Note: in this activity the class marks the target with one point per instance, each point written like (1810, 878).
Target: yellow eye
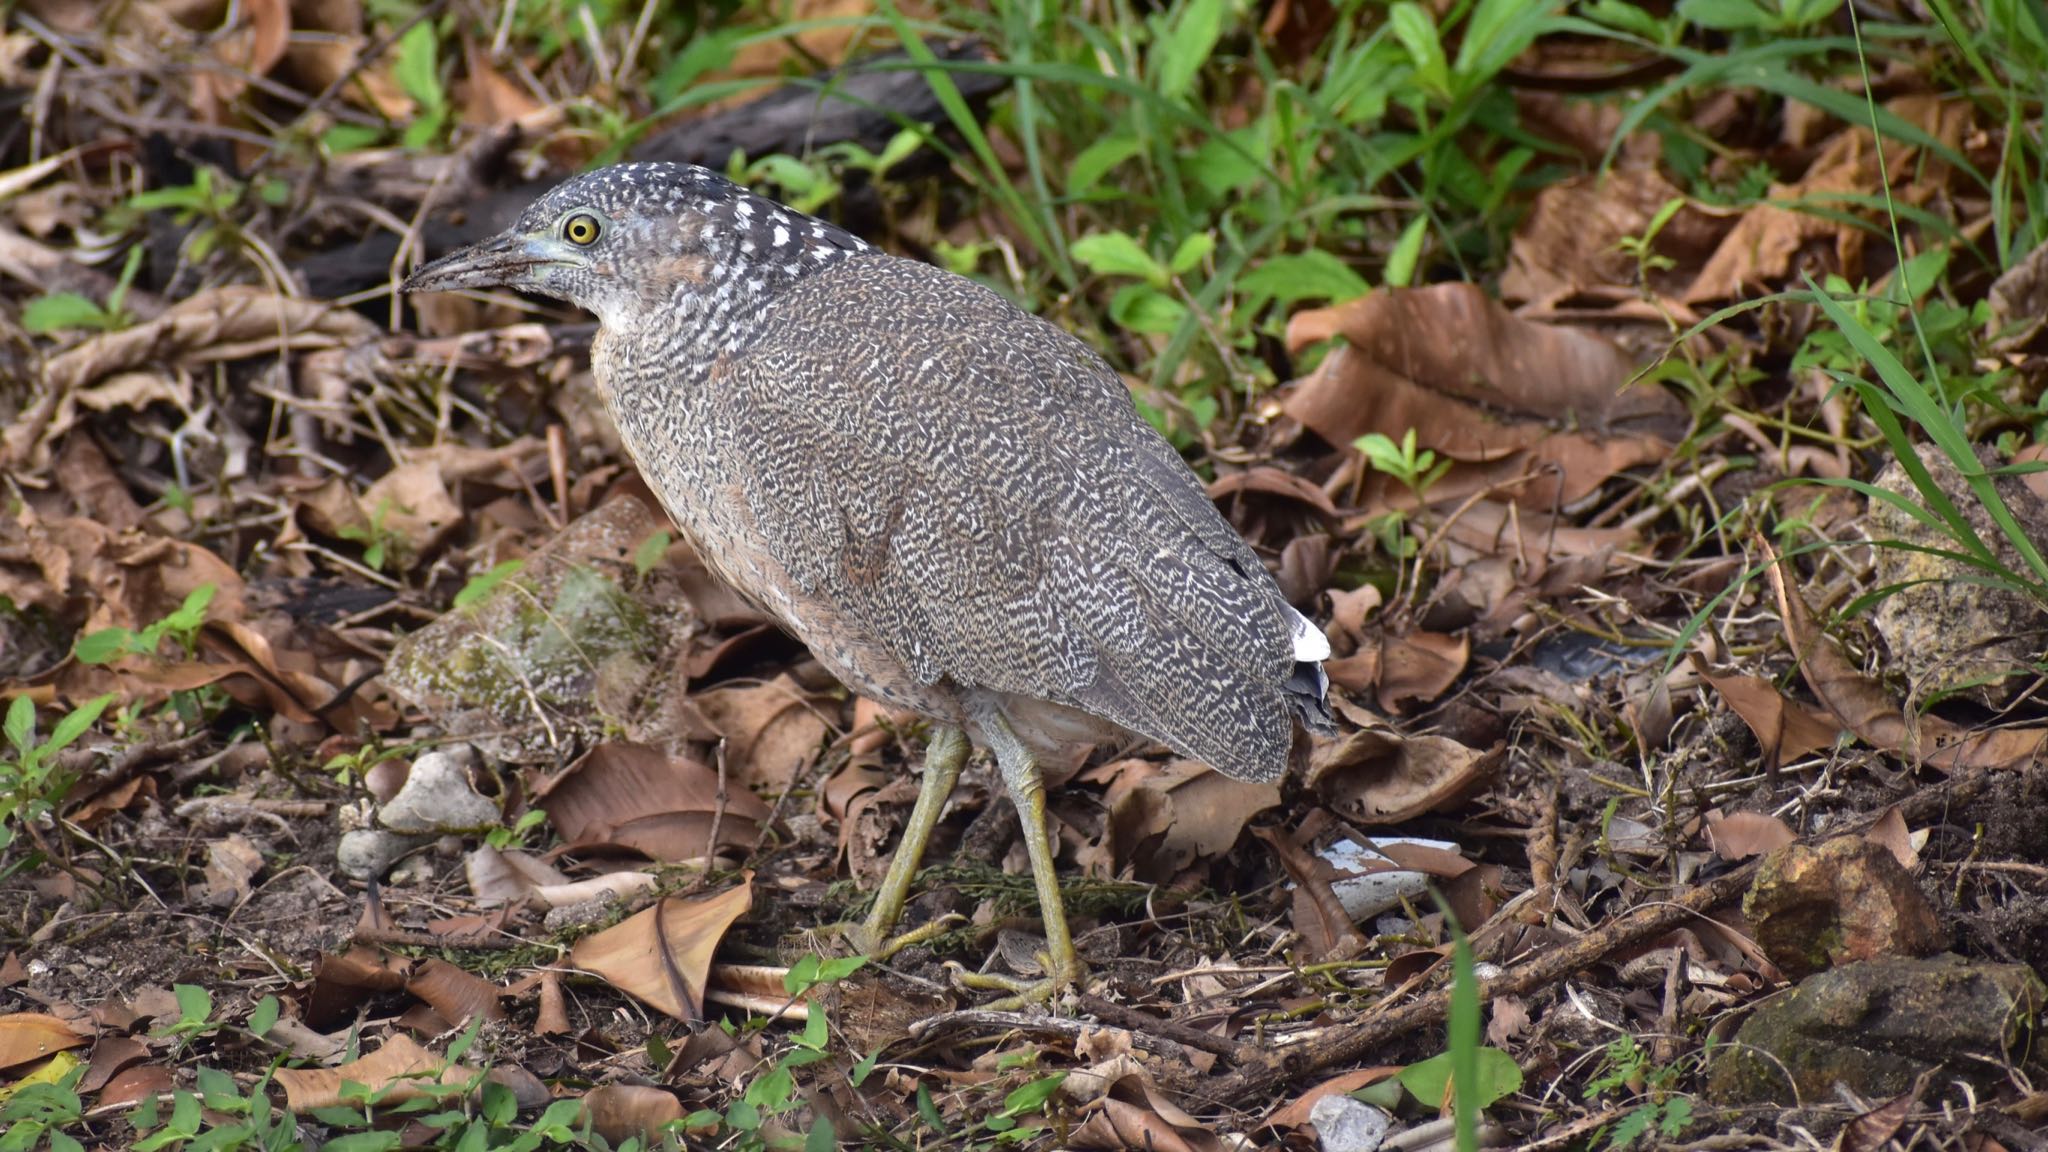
(581, 229)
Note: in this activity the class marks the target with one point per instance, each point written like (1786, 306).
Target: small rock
(437, 797)
(367, 853)
(573, 644)
(1347, 1125)
(1876, 1026)
(1847, 900)
(1946, 628)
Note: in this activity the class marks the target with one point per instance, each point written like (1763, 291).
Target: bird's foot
(1023, 991)
(868, 939)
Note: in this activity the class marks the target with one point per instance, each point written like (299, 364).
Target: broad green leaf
(1142, 308)
(103, 646)
(264, 1018)
(1417, 32)
(1031, 1097)
(60, 310)
(73, 726)
(417, 68)
(1191, 252)
(1178, 56)
(1311, 275)
(483, 584)
(21, 724)
(1429, 1080)
(1097, 160)
(1117, 254)
(195, 1004)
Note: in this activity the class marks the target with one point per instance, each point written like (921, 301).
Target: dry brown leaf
(1318, 916)
(772, 730)
(623, 1111)
(1131, 1115)
(1162, 819)
(1785, 729)
(457, 995)
(1866, 709)
(1570, 243)
(663, 955)
(1740, 835)
(231, 862)
(487, 97)
(395, 1070)
(220, 324)
(1890, 831)
(1376, 776)
(634, 797)
(552, 1018)
(26, 1037)
(1294, 1113)
(1457, 340)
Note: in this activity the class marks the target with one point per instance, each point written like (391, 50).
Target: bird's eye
(581, 229)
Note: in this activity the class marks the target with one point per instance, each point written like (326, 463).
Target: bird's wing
(976, 489)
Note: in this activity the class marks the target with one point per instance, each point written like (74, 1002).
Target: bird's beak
(503, 261)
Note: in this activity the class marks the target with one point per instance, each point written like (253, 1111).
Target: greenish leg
(1027, 790)
(943, 759)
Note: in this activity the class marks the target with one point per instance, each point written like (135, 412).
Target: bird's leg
(943, 759)
(1027, 790)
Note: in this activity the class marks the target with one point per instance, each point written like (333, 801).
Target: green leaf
(192, 613)
(1117, 254)
(1429, 1080)
(1031, 1097)
(650, 552)
(104, 646)
(1726, 15)
(1191, 252)
(482, 585)
(1311, 275)
(832, 971)
(821, 1137)
(1400, 271)
(417, 68)
(801, 975)
(73, 726)
(345, 138)
(21, 724)
(195, 1004)
(1144, 309)
(710, 52)
(1097, 160)
(1178, 56)
(60, 310)
(1417, 32)
(815, 1034)
(364, 1142)
(264, 1018)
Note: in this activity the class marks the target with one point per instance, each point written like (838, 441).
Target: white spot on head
(781, 235)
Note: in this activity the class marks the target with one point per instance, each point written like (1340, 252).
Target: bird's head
(630, 237)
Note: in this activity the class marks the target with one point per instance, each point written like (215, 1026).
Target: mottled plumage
(954, 503)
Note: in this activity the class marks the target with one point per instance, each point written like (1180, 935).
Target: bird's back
(970, 489)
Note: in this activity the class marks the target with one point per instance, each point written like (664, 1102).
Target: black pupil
(582, 229)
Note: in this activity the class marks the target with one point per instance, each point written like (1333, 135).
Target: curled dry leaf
(1132, 1115)
(1162, 819)
(664, 807)
(226, 323)
(1570, 243)
(663, 955)
(1295, 1112)
(1865, 708)
(395, 1070)
(1785, 729)
(771, 730)
(1319, 916)
(1377, 776)
(1483, 389)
